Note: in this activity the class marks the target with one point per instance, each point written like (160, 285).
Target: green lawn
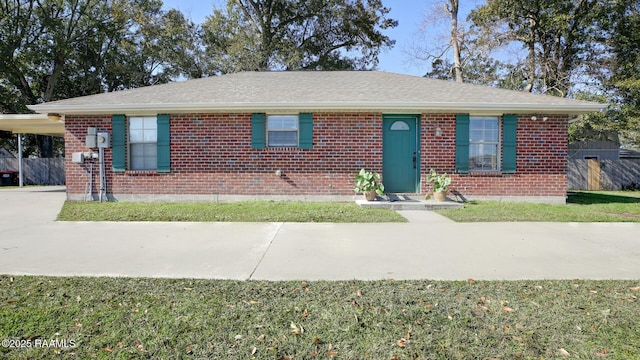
(582, 206)
(119, 318)
(249, 211)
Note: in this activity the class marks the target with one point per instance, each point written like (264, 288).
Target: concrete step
(405, 202)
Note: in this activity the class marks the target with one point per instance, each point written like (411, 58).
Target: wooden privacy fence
(38, 171)
(593, 174)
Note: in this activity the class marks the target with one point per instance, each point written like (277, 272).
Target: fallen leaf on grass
(296, 329)
(305, 313)
(252, 302)
(507, 309)
(402, 342)
(254, 350)
(107, 350)
(563, 352)
(602, 353)
(408, 334)
(637, 288)
(189, 349)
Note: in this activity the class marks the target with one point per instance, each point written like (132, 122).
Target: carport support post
(20, 177)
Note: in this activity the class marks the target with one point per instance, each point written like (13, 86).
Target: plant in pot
(440, 184)
(369, 184)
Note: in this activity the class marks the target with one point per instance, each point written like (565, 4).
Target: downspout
(20, 169)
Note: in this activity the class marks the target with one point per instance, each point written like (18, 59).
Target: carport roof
(40, 124)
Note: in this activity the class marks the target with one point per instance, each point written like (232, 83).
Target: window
(143, 143)
(399, 126)
(484, 143)
(282, 131)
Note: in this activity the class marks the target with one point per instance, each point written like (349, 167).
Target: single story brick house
(303, 135)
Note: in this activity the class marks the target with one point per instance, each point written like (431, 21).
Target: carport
(38, 124)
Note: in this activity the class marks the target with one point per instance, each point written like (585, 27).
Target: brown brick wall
(212, 154)
(540, 157)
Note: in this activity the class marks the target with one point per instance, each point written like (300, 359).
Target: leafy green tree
(285, 35)
(625, 81)
(580, 48)
(57, 49)
(557, 35)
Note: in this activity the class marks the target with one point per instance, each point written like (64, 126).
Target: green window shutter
(509, 129)
(164, 144)
(462, 143)
(258, 131)
(306, 131)
(118, 143)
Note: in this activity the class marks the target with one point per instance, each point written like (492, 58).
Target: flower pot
(440, 195)
(370, 195)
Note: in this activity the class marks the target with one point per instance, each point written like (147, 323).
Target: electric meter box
(90, 140)
(77, 157)
(103, 140)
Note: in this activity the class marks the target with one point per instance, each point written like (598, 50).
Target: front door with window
(400, 155)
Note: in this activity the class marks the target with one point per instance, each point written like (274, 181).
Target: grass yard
(249, 211)
(120, 318)
(582, 206)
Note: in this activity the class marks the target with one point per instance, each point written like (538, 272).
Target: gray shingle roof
(316, 90)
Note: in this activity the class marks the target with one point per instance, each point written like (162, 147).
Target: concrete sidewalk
(429, 247)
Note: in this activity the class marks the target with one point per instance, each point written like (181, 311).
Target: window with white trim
(143, 143)
(282, 130)
(484, 143)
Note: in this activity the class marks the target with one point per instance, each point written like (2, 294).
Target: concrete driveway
(429, 247)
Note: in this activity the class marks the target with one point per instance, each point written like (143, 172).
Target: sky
(409, 13)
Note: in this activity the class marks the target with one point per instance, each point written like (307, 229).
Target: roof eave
(475, 108)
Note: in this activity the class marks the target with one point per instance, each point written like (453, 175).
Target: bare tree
(440, 50)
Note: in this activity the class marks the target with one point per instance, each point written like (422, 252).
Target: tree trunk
(531, 45)
(455, 39)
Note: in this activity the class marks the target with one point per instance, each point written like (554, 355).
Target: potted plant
(368, 183)
(440, 184)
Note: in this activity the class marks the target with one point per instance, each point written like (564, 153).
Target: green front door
(400, 155)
